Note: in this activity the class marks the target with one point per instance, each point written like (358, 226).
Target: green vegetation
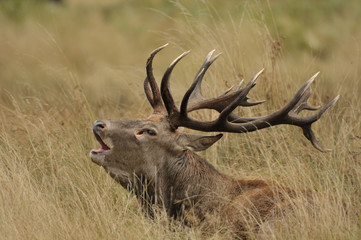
(62, 66)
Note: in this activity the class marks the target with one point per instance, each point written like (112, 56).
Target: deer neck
(189, 181)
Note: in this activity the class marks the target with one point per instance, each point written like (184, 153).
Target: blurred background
(102, 42)
(66, 63)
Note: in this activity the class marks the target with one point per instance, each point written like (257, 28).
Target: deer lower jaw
(98, 157)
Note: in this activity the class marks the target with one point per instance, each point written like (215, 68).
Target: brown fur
(163, 172)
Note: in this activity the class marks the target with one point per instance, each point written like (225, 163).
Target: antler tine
(307, 131)
(242, 94)
(183, 107)
(239, 85)
(195, 92)
(229, 89)
(245, 102)
(165, 92)
(148, 92)
(301, 93)
(153, 95)
(303, 105)
(226, 92)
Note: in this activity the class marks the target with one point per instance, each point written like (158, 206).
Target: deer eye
(151, 132)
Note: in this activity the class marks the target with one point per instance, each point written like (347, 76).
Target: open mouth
(104, 148)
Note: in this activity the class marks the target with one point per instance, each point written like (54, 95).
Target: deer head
(143, 147)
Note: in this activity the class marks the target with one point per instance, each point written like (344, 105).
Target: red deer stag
(158, 162)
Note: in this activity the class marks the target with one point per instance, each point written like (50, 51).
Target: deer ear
(197, 142)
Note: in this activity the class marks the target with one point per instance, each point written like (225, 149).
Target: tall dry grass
(62, 67)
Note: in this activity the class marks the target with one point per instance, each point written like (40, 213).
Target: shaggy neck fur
(185, 184)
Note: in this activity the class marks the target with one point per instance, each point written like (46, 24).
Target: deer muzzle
(98, 155)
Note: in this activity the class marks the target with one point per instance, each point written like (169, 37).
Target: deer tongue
(100, 150)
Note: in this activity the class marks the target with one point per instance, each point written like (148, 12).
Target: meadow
(63, 66)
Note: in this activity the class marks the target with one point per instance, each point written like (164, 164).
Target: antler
(153, 94)
(227, 102)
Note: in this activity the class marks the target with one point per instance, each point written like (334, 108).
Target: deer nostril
(98, 126)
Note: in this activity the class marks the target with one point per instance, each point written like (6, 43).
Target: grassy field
(64, 66)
